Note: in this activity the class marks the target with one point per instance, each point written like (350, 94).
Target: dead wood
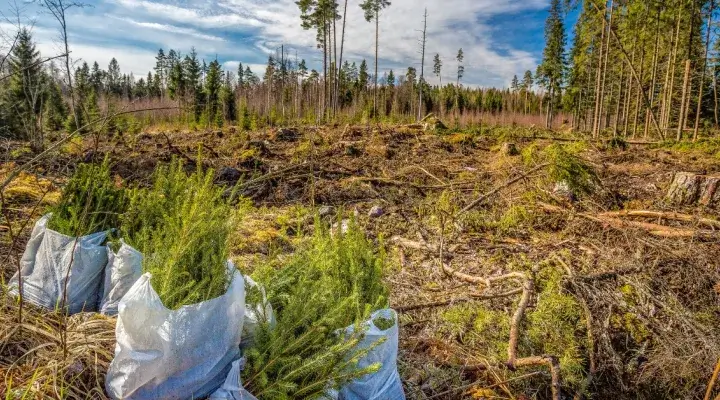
(652, 229)
(663, 215)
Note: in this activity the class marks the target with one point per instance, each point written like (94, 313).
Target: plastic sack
(384, 384)
(232, 389)
(254, 314)
(123, 269)
(175, 354)
(45, 263)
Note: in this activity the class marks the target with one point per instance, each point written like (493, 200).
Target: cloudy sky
(500, 38)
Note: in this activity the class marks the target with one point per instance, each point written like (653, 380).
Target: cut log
(688, 188)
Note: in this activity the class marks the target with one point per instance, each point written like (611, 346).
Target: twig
(711, 384)
(33, 65)
(494, 191)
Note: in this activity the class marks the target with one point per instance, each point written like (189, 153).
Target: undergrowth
(328, 285)
(565, 165)
(90, 202)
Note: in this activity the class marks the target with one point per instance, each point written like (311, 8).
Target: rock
(229, 175)
(562, 189)
(688, 188)
(286, 135)
(376, 212)
(509, 149)
(343, 227)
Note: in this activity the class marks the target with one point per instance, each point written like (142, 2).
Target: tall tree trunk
(653, 78)
(377, 43)
(686, 89)
(605, 62)
(598, 79)
(342, 45)
(671, 70)
(619, 98)
(704, 70)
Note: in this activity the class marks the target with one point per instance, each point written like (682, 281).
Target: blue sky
(500, 38)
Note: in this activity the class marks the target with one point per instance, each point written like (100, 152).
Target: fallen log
(663, 215)
(653, 229)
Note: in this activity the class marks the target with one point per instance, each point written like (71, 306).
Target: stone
(325, 211)
(376, 212)
(229, 175)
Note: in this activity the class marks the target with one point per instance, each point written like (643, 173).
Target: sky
(500, 38)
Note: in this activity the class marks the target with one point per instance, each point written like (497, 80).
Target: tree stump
(688, 188)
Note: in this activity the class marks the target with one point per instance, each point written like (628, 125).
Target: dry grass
(34, 364)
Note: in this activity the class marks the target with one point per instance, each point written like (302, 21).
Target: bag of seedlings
(175, 354)
(232, 388)
(59, 269)
(381, 336)
(65, 257)
(123, 269)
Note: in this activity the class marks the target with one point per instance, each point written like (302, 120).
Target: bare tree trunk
(619, 98)
(422, 65)
(686, 89)
(342, 46)
(598, 79)
(653, 78)
(605, 62)
(704, 70)
(671, 70)
(377, 43)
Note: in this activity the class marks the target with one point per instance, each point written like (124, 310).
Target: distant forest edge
(634, 69)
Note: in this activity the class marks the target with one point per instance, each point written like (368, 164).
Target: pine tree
(527, 84)
(460, 73)
(552, 68)
(241, 76)
(372, 10)
(437, 67)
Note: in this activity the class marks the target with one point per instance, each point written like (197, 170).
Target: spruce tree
(515, 84)
(372, 10)
(552, 68)
(26, 91)
(114, 79)
(55, 110)
(213, 83)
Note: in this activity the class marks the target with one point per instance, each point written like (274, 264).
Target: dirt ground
(458, 213)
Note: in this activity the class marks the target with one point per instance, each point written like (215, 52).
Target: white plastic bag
(254, 314)
(384, 384)
(232, 389)
(45, 263)
(175, 354)
(123, 269)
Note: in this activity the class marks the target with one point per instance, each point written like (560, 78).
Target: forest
(331, 228)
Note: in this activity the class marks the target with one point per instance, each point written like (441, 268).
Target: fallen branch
(663, 215)
(652, 229)
(711, 384)
(497, 189)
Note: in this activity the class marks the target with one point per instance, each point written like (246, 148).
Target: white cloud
(190, 15)
(169, 28)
